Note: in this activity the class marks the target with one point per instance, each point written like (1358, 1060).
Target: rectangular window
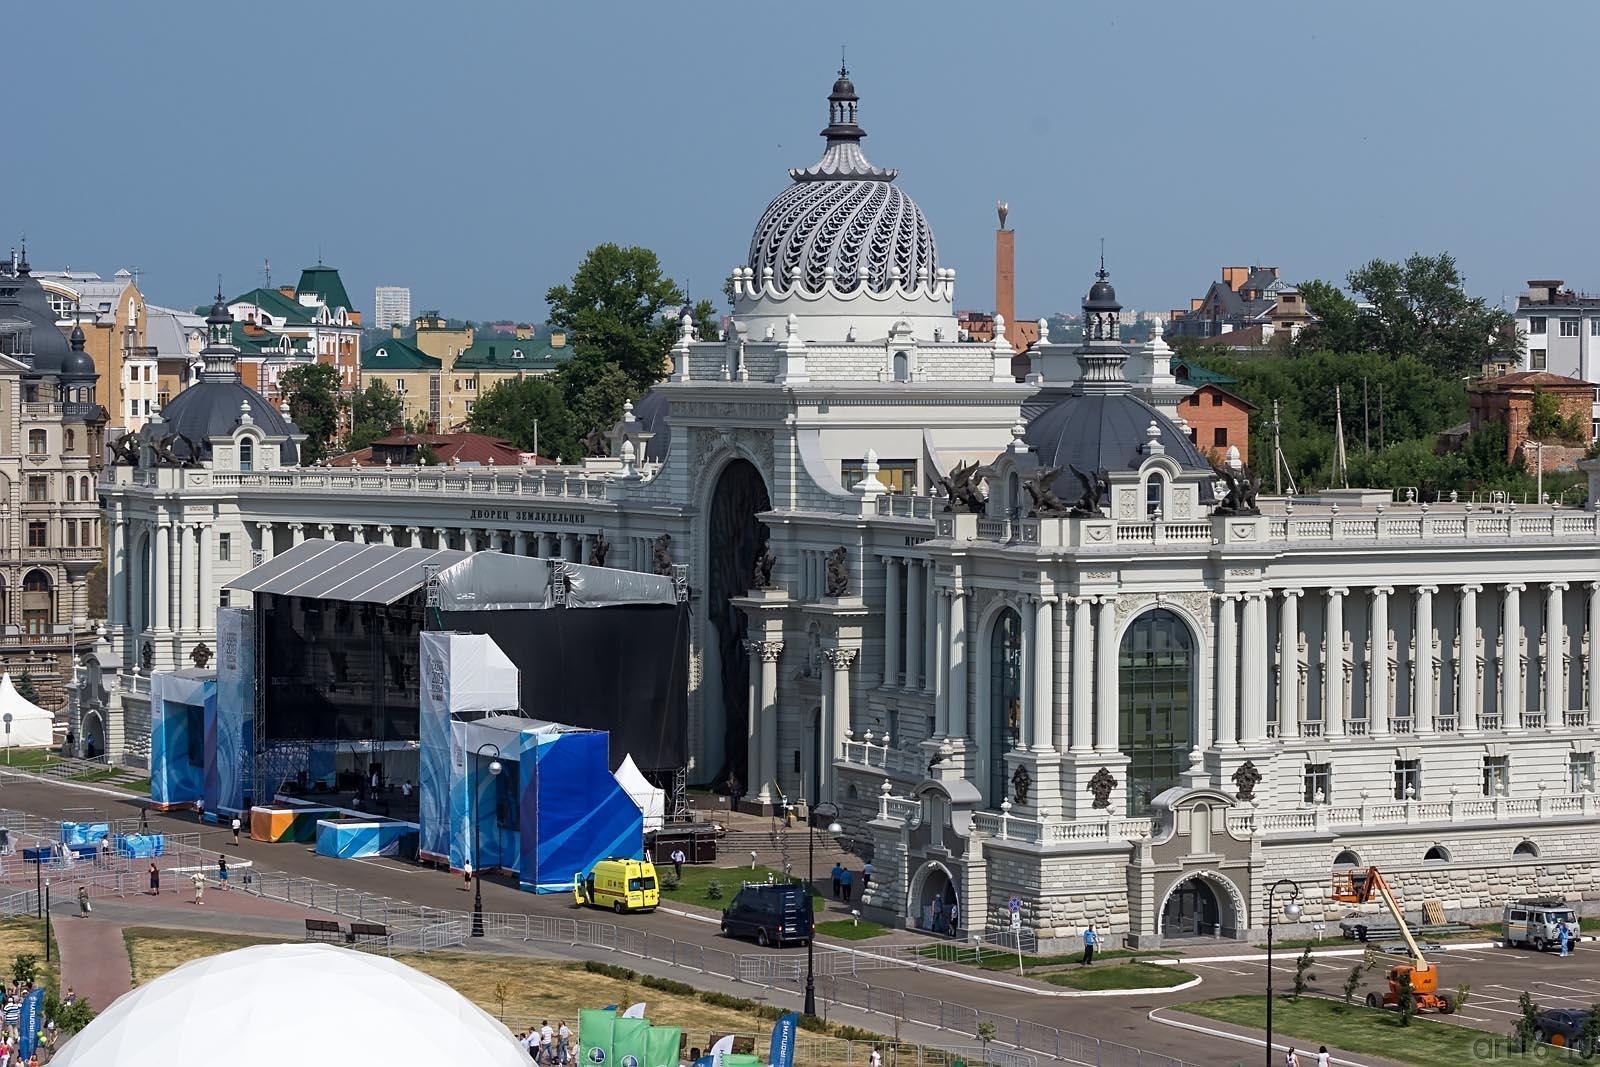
(470, 405)
(897, 474)
(1219, 437)
(1535, 325)
(1594, 327)
(1496, 775)
(85, 538)
(1194, 434)
(224, 546)
(1319, 783)
(1194, 401)
(1569, 327)
(38, 535)
(1536, 359)
(1407, 779)
(72, 535)
(38, 488)
(399, 385)
(1580, 771)
(162, 398)
(1216, 400)
(35, 620)
(222, 598)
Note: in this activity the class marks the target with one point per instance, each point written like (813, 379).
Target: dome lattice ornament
(843, 222)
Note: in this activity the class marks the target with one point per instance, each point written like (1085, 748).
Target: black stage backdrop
(623, 668)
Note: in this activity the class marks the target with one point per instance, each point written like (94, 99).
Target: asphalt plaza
(1496, 976)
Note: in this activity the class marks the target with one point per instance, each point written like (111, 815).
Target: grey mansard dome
(845, 214)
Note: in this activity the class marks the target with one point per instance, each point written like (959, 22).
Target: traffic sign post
(1015, 904)
(8, 738)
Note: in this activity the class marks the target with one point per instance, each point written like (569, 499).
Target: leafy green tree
(1420, 308)
(616, 309)
(1352, 982)
(707, 323)
(1589, 1035)
(1407, 997)
(1545, 421)
(594, 391)
(312, 391)
(25, 968)
(523, 409)
(1338, 319)
(375, 411)
(1525, 1031)
(26, 689)
(1302, 972)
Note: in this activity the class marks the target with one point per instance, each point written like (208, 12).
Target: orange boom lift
(1356, 886)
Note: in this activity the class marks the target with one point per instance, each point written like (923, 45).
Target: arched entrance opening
(1005, 698)
(1199, 906)
(1156, 679)
(732, 534)
(933, 896)
(94, 735)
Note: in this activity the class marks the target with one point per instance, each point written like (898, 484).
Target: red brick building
(1509, 400)
(1218, 419)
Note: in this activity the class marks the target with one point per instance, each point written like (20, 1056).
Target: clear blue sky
(475, 150)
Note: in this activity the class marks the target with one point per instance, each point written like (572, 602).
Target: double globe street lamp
(477, 830)
(830, 811)
(1291, 913)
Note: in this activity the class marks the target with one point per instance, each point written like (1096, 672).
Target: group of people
(549, 1045)
(11, 1034)
(1293, 1058)
(844, 881)
(944, 918)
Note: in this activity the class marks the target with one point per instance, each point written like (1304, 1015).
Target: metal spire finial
(1102, 272)
(843, 70)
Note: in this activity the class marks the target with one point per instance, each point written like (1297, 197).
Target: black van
(774, 913)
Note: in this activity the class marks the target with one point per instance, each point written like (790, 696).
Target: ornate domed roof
(78, 365)
(1110, 430)
(845, 215)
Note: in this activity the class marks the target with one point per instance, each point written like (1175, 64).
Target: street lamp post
(47, 921)
(1291, 911)
(477, 832)
(811, 878)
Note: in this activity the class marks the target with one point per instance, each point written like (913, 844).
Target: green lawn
(31, 759)
(996, 958)
(692, 887)
(846, 930)
(1354, 1028)
(1134, 975)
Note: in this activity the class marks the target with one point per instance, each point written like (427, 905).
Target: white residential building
(1560, 331)
(391, 306)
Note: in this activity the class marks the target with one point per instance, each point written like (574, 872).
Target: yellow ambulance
(619, 884)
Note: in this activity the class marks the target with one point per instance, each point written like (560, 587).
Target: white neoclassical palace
(1022, 633)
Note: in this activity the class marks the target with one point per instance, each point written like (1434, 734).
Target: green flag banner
(628, 1041)
(661, 1050)
(595, 1038)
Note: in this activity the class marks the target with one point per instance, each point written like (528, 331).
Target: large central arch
(732, 533)
(1222, 911)
(1158, 685)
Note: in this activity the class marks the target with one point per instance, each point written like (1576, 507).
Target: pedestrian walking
(955, 918)
(1323, 1059)
(105, 849)
(155, 880)
(466, 877)
(845, 879)
(866, 875)
(1564, 932)
(936, 916)
(875, 1059)
(678, 859)
(236, 827)
(563, 1042)
(199, 881)
(1091, 941)
(1291, 1060)
(836, 871)
(83, 900)
(405, 789)
(222, 870)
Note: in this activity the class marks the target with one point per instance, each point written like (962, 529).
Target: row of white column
(909, 593)
(572, 547)
(761, 740)
(1242, 664)
(177, 592)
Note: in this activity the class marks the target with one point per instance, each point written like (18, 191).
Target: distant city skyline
(1293, 139)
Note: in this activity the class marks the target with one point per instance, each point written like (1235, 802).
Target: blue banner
(781, 1054)
(29, 1022)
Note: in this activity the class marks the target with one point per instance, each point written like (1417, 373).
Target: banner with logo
(781, 1053)
(629, 1041)
(28, 1023)
(661, 1047)
(595, 1036)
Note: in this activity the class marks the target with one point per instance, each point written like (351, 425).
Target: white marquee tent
(651, 800)
(274, 1004)
(31, 725)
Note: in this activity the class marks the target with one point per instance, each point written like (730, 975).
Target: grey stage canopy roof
(497, 581)
(343, 570)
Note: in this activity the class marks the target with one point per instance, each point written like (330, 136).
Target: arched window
(1526, 849)
(36, 582)
(1005, 698)
(1347, 858)
(72, 488)
(86, 494)
(247, 454)
(1157, 694)
(902, 367)
(1437, 854)
(36, 443)
(1155, 489)
(1013, 496)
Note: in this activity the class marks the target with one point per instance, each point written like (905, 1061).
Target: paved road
(1119, 1019)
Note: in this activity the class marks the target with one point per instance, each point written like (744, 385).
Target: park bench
(368, 932)
(324, 930)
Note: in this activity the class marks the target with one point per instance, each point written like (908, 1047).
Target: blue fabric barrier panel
(574, 813)
(229, 719)
(179, 705)
(346, 840)
(140, 846)
(436, 838)
(83, 833)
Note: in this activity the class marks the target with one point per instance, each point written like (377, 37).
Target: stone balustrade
(876, 754)
(542, 483)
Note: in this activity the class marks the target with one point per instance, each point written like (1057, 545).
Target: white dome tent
(31, 725)
(652, 800)
(274, 1004)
